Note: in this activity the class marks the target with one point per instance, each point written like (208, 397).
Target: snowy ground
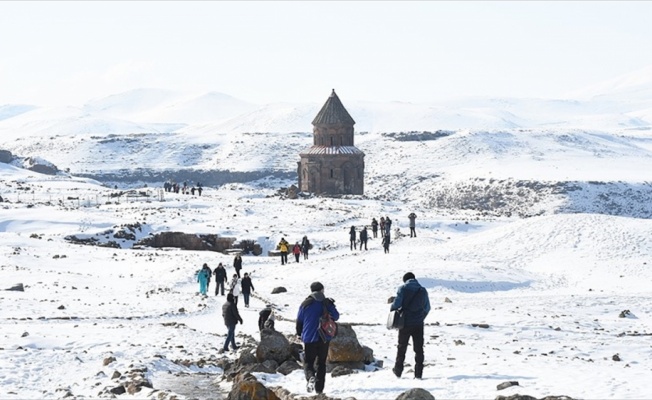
(551, 289)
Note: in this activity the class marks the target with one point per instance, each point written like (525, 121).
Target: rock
(345, 346)
(507, 384)
(615, 357)
(278, 290)
(447, 300)
(341, 371)
(483, 326)
(17, 288)
(516, 397)
(118, 390)
(416, 394)
(273, 346)
(108, 360)
(61, 307)
(247, 357)
(188, 241)
(391, 299)
(116, 375)
(6, 156)
(625, 314)
(25, 334)
(40, 165)
(368, 354)
(251, 389)
(288, 366)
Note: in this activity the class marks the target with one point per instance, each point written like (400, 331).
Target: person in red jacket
(296, 250)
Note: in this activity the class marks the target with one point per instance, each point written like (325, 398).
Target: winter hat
(408, 276)
(229, 297)
(316, 287)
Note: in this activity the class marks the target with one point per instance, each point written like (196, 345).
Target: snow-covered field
(551, 289)
(534, 218)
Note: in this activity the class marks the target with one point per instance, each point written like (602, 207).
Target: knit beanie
(408, 276)
(316, 287)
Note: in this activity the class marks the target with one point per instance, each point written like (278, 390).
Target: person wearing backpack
(315, 341)
(413, 299)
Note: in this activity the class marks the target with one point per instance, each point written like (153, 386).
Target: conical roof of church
(333, 112)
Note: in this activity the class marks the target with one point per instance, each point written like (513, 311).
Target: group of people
(385, 226)
(297, 250)
(411, 297)
(174, 187)
(237, 286)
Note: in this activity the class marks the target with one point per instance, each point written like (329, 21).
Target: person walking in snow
(202, 278)
(237, 264)
(296, 250)
(247, 288)
(388, 226)
(220, 278)
(235, 288)
(231, 319)
(412, 217)
(386, 241)
(413, 299)
(374, 227)
(382, 226)
(352, 238)
(283, 246)
(315, 346)
(209, 273)
(305, 246)
(363, 238)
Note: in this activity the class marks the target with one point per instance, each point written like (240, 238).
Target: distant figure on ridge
(352, 237)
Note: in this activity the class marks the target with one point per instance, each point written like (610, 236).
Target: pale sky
(65, 53)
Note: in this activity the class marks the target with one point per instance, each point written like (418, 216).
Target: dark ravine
(206, 177)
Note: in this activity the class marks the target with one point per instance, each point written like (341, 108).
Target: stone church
(333, 165)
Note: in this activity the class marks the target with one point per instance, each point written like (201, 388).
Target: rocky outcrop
(188, 241)
(247, 387)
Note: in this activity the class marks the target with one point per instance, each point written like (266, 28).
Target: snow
(549, 266)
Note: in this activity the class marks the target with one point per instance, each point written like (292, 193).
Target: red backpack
(327, 327)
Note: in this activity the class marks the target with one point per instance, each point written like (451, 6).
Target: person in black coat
(247, 288)
(237, 264)
(231, 319)
(374, 227)
(386, 243)
(305, 246)
(363, 238)
(220, 278)
(352, 238)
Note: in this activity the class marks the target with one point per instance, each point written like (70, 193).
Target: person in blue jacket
(413, 299)
(315, 347)
(202, 278)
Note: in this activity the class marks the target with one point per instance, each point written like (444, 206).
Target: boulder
(416, 394)
(273, 346)
(278, 290)
(250, 389)
(288, 366)
(345, 346)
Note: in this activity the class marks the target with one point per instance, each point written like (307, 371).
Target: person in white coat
(235, 288)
